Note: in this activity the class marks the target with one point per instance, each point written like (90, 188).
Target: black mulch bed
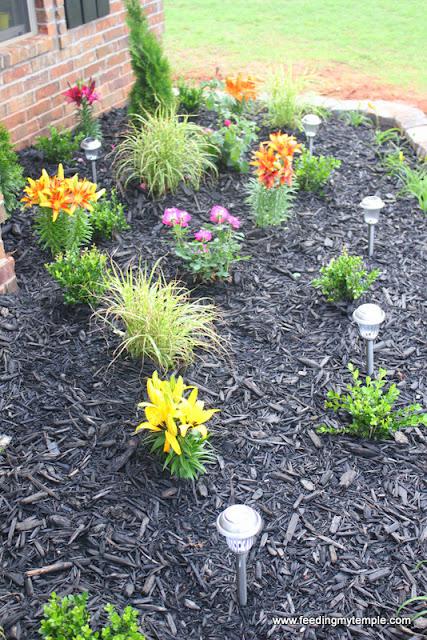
(344, 520)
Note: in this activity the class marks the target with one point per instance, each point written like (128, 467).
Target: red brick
(48, 91)
(8, 282)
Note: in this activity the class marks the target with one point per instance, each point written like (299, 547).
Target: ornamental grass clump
(61, 219)
(84, 96)
(270, 194)
(415, 184)
(371, 408)
(345, 278)
(284, 109)
(176, 423)
(211, 251)
(163, 150)
(157, 319)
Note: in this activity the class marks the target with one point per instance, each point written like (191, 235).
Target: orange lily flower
(285, 145)
(84, 193)
(240, 88)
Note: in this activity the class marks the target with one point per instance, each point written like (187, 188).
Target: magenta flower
(219, 214)
(227, 123)
(203, 235)
(174, 216)
(234, 222)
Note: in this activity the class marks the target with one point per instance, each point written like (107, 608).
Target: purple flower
(203, 235)
(234, 222)
(174, 216)
(227, 123)
(219, 214)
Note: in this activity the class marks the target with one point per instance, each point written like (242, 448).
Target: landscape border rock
(410, 120)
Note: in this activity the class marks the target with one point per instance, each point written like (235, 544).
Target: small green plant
(59, 146)
(269, 207)
(284, 108)
(394, 162)
(80, 275)
(356, 119)
(69, 619)
(386, 136)
(371, 408)
(415, 184)
(153, 83)
(121, 627)
(190, 98)
(159, 320)
(313, 172)
(345, 278)
(108, 215)
(161, 151)
(11, 175)
(232, 142)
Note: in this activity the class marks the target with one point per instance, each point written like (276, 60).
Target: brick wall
(35, 70)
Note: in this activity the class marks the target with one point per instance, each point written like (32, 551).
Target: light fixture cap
(239, 524)
(310, 124)
(92, 148)
(371, 206)
(369, 317)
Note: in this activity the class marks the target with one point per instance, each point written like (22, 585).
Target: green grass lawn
(382, 38)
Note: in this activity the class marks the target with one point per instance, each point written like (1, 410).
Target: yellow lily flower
(193, 415)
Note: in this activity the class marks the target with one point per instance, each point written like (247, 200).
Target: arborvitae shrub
(11, 178)
(153, 83)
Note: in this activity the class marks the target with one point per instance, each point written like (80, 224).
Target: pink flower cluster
(82, 92)
(174, 216)
(177, 217)
(220, 214)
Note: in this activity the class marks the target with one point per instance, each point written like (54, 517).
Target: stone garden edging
(410, 120)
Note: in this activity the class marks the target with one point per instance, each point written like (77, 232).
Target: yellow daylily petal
(146, 425)
(171, 439)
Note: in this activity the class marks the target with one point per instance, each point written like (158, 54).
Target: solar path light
(240, 524)
(371, 206)
(92, 149)
(310, 124)
(369, 317)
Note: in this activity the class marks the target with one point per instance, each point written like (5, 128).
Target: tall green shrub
(153, 84)
(11, 178)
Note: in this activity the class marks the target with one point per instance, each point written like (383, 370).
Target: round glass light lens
(369, 318)
(311, 123)
(239, 524)
(371, 206)
(92, 148)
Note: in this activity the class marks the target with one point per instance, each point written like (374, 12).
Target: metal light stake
(371, 206)
(310, 124)
(92, 149)
(240, 524)
(369, 317)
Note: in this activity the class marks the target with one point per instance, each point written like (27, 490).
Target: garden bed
(344, 519)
